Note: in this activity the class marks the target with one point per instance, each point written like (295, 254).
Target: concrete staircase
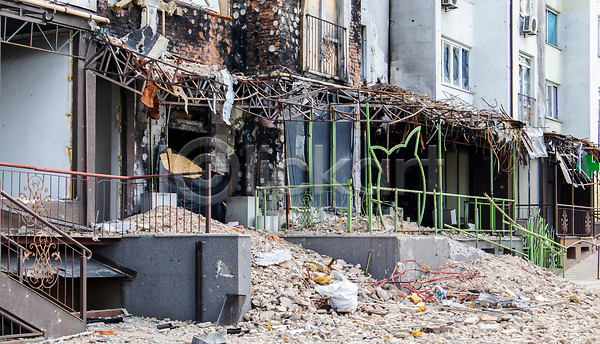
(36, 311)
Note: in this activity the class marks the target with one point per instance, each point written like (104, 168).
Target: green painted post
(439, 163)
(458, 211)
(349, 206)
(476, 223)
(396, 211)
(333, 161)
(492, 212)
(369, 177)
(435, 206)
(419, 207)
(309, 152)
(264, 209)
(514, 200)
(255, 209)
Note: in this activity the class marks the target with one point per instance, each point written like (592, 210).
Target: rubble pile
(172, 220)
(300, 296)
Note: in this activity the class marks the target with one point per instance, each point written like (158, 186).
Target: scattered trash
(414, 298)
(417, 333)
(322, 279)
(274, 258)
(492, 301)
(167, 325)
(439, 293)
(575, 298)
(217, 337)
(237, 330)
(343, 296)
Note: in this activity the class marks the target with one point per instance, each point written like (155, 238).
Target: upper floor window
(551, 100)
(455, 65)
(551, 20)
(526, 101)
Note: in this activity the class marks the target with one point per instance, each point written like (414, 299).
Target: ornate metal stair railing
(43, 257)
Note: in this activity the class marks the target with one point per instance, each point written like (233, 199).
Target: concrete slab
(387, 251)
(177, 274)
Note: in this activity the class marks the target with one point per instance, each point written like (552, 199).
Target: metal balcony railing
(325, 47)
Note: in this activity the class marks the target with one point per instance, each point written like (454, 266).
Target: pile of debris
(300, 296)
(165, 219)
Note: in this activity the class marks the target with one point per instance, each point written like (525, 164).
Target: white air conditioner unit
(529, 25)
(449, 4)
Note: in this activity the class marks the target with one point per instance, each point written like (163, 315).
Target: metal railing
(325, 47)
(99, 206)
(566, 219)
(468, 208)
(305, 206)
(43, 257)
(526, 106)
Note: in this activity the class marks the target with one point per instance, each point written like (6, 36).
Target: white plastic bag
(343, 296)
(274, 258)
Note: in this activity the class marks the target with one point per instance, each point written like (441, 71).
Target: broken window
(551, 19)
(525, 99)
(446, 59)
(551, 100)
(455, 68)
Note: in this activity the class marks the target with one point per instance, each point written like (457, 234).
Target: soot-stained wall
(197, 34)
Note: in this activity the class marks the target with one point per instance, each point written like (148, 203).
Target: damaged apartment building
(127, 122)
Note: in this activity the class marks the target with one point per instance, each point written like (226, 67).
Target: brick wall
(197, 34)
(355, 44)
(274, 37)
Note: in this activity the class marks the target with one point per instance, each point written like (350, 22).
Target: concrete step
(37, 311)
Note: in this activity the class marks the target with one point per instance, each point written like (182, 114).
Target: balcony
(325, 47)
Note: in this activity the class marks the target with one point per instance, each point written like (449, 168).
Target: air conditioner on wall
(449, 4)
(529, 25)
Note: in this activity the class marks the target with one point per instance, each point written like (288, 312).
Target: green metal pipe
(446, 194)
(492, 217)
(255, 209)
(483, 239)
(435, 218)
(440, 176)
(265, 209)
(458, 211)
(333, 158)
(349, 206)
(300, 186)
(477, 223)
(523, 229)
(396, 211)
(309, 151)
(514, 200)
(369, 177)
(419, 219)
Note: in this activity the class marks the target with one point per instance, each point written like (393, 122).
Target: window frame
(455, 66)
(552, 100)
(548, 12)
